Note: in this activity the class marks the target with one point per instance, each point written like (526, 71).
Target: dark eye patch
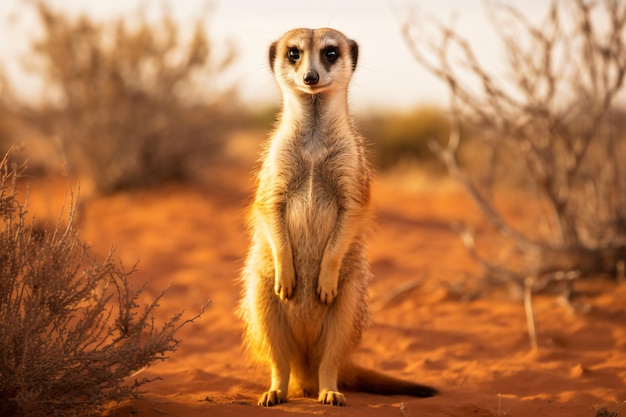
(293, 54)
(330, 53)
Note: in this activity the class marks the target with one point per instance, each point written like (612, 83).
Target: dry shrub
(72, 331)
(124, 98)
(403, 136)
(553, 116)
(9, 125)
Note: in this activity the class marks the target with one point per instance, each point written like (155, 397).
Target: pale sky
(387, 75)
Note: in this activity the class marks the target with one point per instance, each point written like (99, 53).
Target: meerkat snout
(311, 78)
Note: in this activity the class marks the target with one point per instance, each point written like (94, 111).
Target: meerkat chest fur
(315, 157)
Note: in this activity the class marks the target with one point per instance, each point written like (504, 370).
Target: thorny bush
(72, 331)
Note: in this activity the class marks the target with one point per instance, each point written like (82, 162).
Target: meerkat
(305, 280)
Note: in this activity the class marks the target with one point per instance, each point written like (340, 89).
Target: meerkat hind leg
(328, 393)
(280, 384)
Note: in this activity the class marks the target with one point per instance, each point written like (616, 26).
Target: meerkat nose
(311, 78)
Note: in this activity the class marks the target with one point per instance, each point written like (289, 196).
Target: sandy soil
(476, 352)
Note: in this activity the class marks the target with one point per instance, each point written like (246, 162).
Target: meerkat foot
(271, 398)
(332, 398)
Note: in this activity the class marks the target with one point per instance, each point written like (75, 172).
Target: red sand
(476, 352)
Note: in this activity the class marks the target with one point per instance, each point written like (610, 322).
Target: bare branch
(554, 114)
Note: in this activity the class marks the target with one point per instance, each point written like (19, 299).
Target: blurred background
(522, 96)
(129, 76)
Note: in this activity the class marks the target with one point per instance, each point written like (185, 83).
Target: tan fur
(306, 275)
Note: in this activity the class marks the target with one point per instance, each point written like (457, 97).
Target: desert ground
(475, 350)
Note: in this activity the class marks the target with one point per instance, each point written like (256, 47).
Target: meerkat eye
(331, 54)
(293, 54)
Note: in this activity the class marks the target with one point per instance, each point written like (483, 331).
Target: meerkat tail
(356, 378)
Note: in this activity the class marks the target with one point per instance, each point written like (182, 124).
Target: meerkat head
(313, 61)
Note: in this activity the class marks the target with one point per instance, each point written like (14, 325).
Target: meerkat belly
(311, 219)
(311, 216)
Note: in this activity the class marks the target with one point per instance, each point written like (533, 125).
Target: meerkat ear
(272, 55)
(354, 53)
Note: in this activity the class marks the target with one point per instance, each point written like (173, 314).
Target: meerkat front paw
(284, 287)
(328, 279)
(332, 398)
(327, 287)
(285, 281)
